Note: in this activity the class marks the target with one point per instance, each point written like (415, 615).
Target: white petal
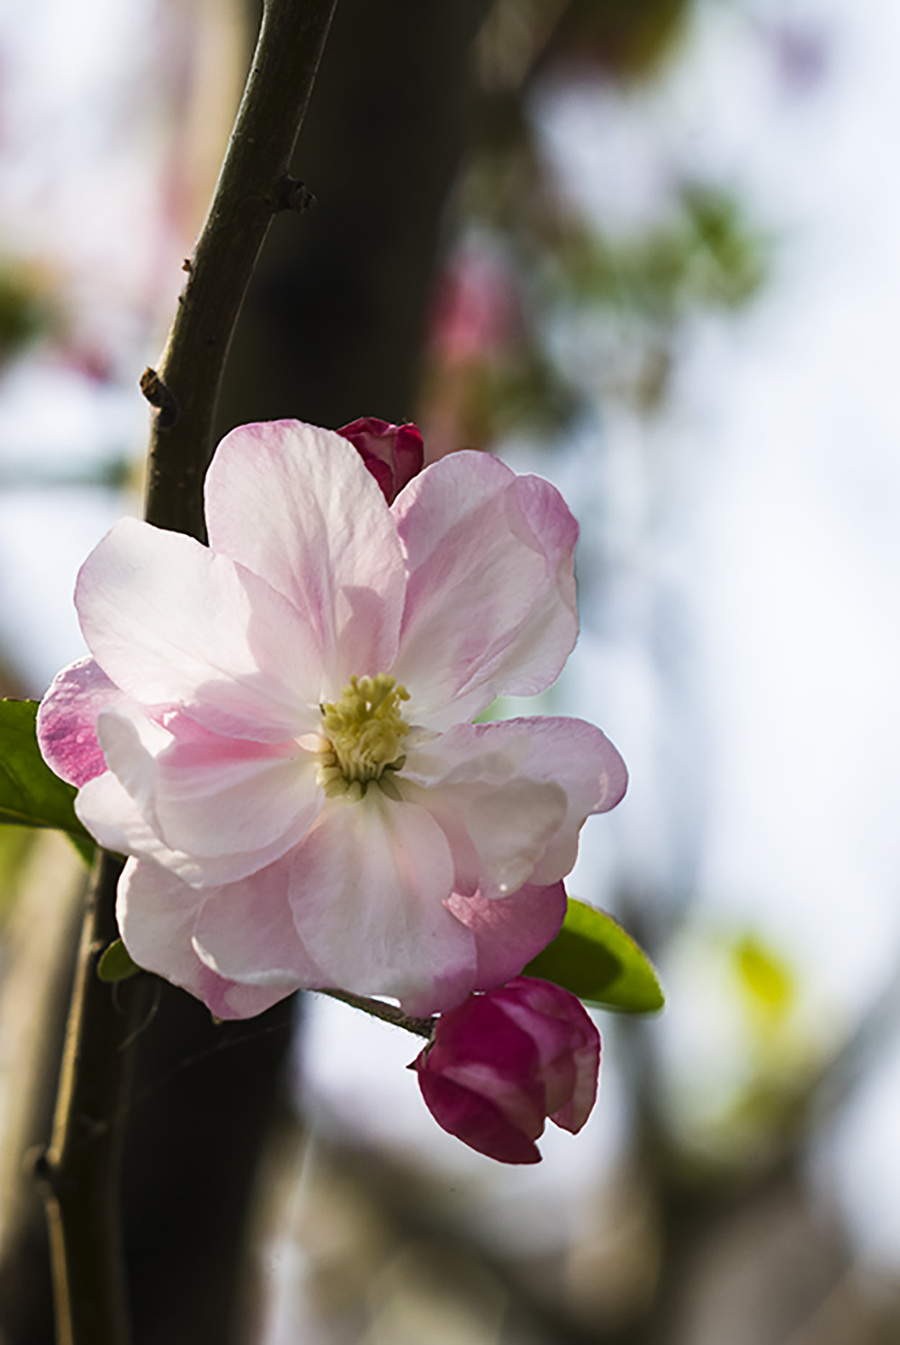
(295, 504)
(115, 821)
(510, 829)
(580, 758)
(497, 834)
(512, 796)
(169, 621)
(367, 889)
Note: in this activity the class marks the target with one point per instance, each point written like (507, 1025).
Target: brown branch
(253, 185)
(388, 1013)
(41, 939)
(78, 1174)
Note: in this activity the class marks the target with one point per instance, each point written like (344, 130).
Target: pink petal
(156, 915)
(245, 931)
(537, 1005)
(295, 504)
(476, 1120)
(367, 891)
(553, 1039)
(576, 1111)
(232, 806)
(510, 931)
(169, 621)
(479, 1048)
(491, 586)
(217, 796)
(67, 721)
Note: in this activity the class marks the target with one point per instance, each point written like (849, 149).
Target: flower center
(365, 732)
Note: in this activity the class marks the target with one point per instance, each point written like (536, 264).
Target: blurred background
(649, 249)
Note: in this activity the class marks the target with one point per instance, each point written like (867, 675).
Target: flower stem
(422, 1027)
(78, 1174)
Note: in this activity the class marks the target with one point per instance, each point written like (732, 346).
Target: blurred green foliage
(624, 39)
(24, 312)
(15, 847)
(638, 289)
(765, 979)
(706, 256)
(627, 38)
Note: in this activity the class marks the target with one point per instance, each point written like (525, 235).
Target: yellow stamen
(365, 732)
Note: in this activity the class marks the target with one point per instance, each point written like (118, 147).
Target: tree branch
(78, 1174)
(388, 1013)
(254, 183)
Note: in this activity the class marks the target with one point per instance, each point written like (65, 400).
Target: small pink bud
(393, 453)
(507, 1059)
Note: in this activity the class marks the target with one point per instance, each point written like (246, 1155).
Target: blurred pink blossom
(476, 315)
(504, 1061)
(276, 728)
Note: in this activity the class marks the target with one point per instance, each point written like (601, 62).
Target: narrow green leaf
(30, 794)
(594, 958)
(116, 964)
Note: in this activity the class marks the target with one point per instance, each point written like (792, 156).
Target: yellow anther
(365, 732)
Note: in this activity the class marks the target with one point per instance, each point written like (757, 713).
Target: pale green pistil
(365, 732)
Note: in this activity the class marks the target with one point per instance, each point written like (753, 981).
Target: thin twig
(422, 1027)
(78, 1174)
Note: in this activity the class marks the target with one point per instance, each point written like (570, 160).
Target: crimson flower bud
(505, 1060)
(393, 453)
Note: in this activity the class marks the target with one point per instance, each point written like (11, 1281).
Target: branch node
(159, 396)
(37, 1165)
(49, 1180)
(289, 193)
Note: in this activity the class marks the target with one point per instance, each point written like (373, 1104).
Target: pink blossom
(476, 316)
(276, 728)
(504, 1061)
(394, 454)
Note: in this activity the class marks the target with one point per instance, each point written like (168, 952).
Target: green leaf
(116, 964)
(30, 794)
(594, 958)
